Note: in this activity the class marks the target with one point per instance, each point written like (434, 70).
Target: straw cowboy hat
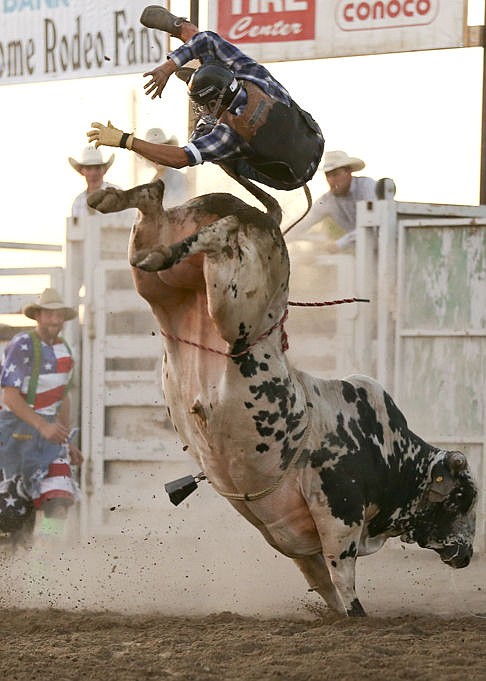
(49, 299)
(91, 157)
(339, 159)
(158, 136)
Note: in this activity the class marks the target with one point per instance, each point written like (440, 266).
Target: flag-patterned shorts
(57, 484)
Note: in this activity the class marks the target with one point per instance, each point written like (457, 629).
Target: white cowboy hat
(91, 157)
(158, 136)
(339, 159)
(49, 299)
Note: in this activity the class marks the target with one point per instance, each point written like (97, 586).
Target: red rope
(284, 337)
(280, 323)
(331, 302)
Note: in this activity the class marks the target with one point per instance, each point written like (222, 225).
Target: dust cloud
(228, 569)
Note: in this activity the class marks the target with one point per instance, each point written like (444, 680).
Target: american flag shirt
(56, 369)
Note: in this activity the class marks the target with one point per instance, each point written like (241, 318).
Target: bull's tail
(271, 204)
(308, 196)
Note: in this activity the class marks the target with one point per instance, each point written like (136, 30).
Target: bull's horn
(456, 461)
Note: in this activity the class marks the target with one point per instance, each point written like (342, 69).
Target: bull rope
(331, 302)
(280, 323)
(235, 354)
(254, 496)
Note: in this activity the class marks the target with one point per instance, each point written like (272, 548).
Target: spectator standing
(339, 203)
(35, 447)
(175, 181)
(93, 168)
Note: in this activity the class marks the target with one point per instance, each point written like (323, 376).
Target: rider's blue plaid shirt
(223, 142)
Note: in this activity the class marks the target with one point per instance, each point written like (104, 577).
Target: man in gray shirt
(339, 203)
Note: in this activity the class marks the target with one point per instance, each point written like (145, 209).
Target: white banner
(280, 30)
(59, 39)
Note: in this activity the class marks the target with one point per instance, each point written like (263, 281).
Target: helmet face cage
(211, 86)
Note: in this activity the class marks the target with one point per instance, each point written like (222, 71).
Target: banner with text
(59, 39)
(280, 30)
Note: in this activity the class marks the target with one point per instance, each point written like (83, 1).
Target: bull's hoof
(356, 609)
(109, 200)
(151, 260)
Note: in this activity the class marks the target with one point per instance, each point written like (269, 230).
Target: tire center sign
(315, 29)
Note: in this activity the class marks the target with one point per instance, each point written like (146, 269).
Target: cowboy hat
(91, 157)
(339, 159)
(49, 299)
(158, 136)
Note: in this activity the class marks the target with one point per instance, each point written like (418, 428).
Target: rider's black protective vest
(286, 141)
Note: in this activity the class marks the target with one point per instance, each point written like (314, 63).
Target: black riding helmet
(211, 86)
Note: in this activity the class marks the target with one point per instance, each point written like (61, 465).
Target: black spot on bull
(351, 552)
(282, 424)
(244, 358)
(349, 392)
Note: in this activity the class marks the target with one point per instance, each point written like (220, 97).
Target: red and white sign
(253, 21)
(279, 30)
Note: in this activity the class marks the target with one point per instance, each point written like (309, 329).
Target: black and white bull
(327, 470)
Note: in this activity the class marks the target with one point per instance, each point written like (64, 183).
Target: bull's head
(445, 520)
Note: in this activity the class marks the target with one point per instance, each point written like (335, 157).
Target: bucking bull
(327, 470)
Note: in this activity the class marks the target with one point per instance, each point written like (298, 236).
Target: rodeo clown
(246, 121)
(36, 452)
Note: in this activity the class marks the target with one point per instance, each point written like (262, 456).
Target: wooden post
(191, 118)
(194, 13)
(482, 185)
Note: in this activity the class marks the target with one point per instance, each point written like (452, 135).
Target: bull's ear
(456, 462)
(442, 483)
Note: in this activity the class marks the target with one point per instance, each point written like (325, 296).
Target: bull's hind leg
(315, 571)
(146, 197)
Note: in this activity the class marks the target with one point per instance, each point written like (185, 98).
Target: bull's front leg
(146, 197)
(340, 544)
(145, 234)
(213, 239)
(315, 571)
(243, 273)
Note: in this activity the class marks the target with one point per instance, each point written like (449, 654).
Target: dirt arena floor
(132, 612)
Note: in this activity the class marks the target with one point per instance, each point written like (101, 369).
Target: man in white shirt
(93, 168)
(339, 203)
(176, 189)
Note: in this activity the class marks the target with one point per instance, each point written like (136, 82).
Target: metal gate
(129, 444)
(426, 270)
(440, 335)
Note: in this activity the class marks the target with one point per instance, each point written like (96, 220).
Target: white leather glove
(109, 136)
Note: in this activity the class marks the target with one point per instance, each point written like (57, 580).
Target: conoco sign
(357, 16)
(277, 30)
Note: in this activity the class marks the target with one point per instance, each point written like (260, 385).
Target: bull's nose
(458, 563)
(456, 556)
